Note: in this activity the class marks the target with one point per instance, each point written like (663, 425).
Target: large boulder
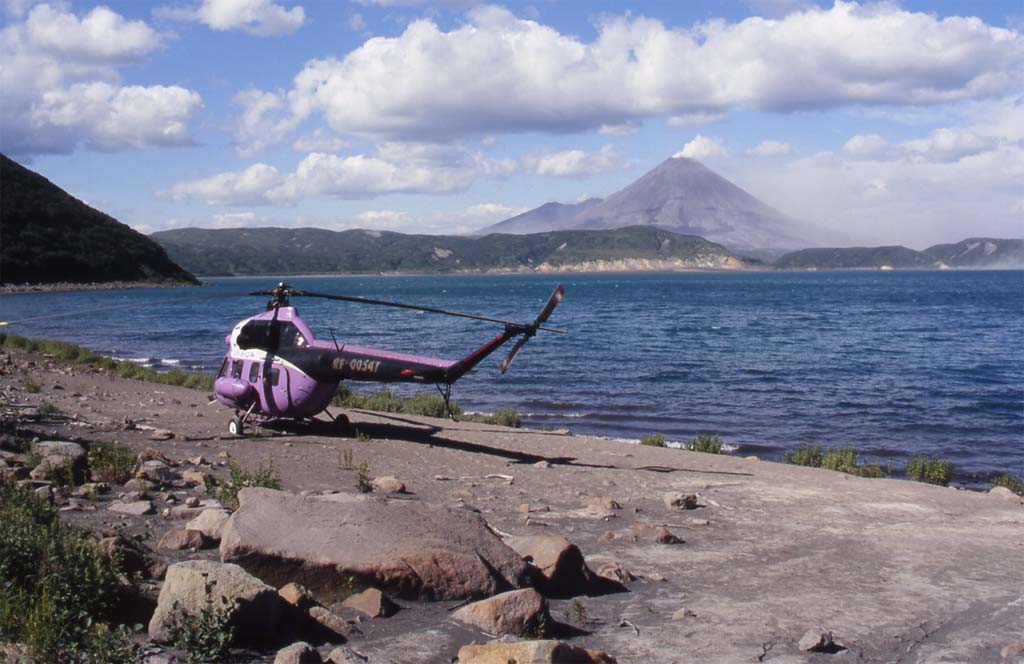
(255, 607)
(531, 652)
(520, 612)
(560, 570)
(407, 548)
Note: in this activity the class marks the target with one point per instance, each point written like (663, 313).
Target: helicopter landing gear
(236, 427)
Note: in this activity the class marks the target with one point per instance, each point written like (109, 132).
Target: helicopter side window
(291, 337)
(254, 372)
(236, 369)
(275, 376)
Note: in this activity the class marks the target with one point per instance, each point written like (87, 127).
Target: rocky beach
(417, 540)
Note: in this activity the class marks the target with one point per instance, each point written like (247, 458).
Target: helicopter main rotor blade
(402, 305)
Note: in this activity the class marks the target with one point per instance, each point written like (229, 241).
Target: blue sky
(896, 122)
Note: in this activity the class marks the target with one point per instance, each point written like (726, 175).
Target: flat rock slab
(410, 549)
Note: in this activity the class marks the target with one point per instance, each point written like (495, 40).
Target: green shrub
(1014, 484)
(206, 636)
(705, 443)
(653, 440)
(804, 455)
(238, 479)
(844, 460)
(110, 462)
(506, 417)
(47, 408)
(931, 470)
(56, 589)
(428, 405)
(363, 482)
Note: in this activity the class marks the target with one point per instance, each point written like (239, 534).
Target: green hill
(255, 251)
(48, 236)
(855, 258)
(980, 252)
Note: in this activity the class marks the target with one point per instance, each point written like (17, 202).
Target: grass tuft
(1014, 484)
(239, 478)
(705, 443)
(110, 462)
(653, 440)
(843, 460)
(931, 470)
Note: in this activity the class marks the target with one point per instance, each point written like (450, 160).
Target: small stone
(143, 486)
(209, 522)
(135, 508)
(183, 538)
(298, 653)
(442, 478)
(371, 602)
(816, 639)
(542, 464)
(615, 572)
(297, 595)
(155, 471)
(653, 533)
(683, 614)
(45, 493)
(191, 501)
(388, 484)
(345, 655)
(198, 461)
(161, 434)
(676, 500)
(330, 621)
(184, 512)
(195, 477)
(1015, 649)
(600, 504)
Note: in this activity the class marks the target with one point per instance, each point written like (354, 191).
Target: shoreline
(69, 287)
(767, 548)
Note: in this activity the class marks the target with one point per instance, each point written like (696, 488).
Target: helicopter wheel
(235, 426)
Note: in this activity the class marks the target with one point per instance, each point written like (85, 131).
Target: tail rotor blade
(512, 353)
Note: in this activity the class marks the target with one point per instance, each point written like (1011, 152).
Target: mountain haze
(679, 195)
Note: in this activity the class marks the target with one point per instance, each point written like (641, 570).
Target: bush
(56, 588)
(238, 479)
(110, 462)
(429, 405)
(506, 417)
(843, 460)
(804, 455)
(705, 443)
(653, 440)
(1014, 484)
(931, 470)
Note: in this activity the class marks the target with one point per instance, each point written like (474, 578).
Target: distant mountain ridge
(680, 195)
(257, 251)
(48, 236)
(983, 253)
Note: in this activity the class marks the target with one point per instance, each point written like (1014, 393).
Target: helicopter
(276, 369)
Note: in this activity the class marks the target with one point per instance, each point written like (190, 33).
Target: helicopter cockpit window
(236, 369)
(291, 337)
(275, 376)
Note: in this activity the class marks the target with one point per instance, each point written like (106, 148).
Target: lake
(891, 363)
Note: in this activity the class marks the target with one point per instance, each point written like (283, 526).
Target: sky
(889, 122)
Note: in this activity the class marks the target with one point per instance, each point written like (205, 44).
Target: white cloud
(702, 147)
(426, 82)
(356, 22)
(695, 118)
(958, 181)
(624, 129)
(573, 163)
(61, 86)
(395, 168)
(444, 222)
(257, 17)
(320, 140)
(867, 146)
(770, 149)
(263, 122)
(234, 219)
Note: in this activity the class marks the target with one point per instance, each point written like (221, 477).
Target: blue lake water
(891, 363)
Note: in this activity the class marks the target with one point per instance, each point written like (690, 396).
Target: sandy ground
(898, 571)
